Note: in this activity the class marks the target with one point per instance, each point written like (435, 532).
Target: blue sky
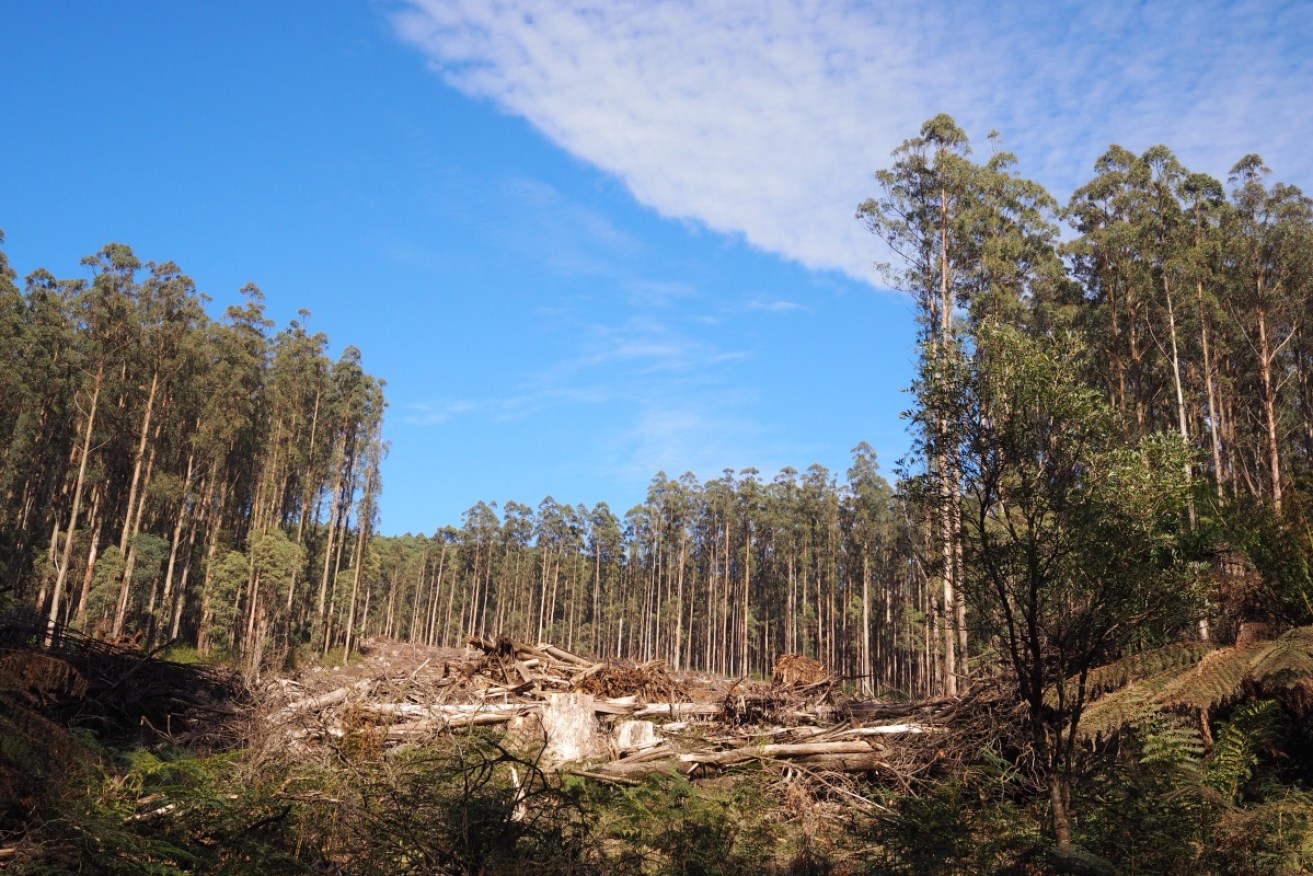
(586, 242)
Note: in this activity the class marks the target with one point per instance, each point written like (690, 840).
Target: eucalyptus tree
(783, 548)
(1106, 261)
(1271, 248)
(43, 362)
(928, 215)
(1204, 205)
(515, 589)
(169, 315)
(228, 436)
(366, 519)
(104, 309)
(13, 385)
(353, 411)
(870, 525)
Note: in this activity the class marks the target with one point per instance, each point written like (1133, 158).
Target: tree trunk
(67, 554)
(1265, 362)
(1182, 424)
(130, 560)
(90, 571)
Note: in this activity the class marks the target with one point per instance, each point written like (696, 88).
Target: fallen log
(775, 751)
(678, 710)
(446, 712)
(891, 730)
(318, 703)
(565, 656)
(426, 729)
(845, 763)
(854, 756)
(616, 706)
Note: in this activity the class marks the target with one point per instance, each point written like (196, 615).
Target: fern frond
(1217, 680)
(1196, 678)
(1253, 727)
(39, 676)
(1169, 740)
(1286, 660)
(1135, 668)
(1132, 706)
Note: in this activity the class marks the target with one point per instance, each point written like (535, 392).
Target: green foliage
(152, 551)
(1281, 548)
(1274, 837)
(276, 559)
(105, 584)
(187, 655)
(1134, 812)
(162, 811)
(465, 805)
(229, 579)
(975, 822)
(1281, 668)
(1239, 743)
(669, 826)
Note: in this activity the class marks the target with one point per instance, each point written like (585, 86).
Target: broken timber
(579, 711)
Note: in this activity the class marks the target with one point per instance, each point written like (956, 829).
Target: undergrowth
(1175, 791)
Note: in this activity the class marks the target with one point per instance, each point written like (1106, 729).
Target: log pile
(609, 720)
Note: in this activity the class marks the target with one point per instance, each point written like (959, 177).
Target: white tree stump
(635, 736)
(571, 729)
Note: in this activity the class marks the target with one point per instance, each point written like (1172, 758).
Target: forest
(1104, 521)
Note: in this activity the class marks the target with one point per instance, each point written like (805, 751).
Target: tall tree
(1070, 535)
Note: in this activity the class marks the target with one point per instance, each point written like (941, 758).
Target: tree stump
(571, 729)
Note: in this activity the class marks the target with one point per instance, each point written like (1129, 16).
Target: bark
(67, 554)
(1266, 357)
(130, 561)
(1182, 424)
(89, 574)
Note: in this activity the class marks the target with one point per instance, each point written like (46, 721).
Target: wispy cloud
(677, 437)
(657, 293)
(775, 305)
(765, 120)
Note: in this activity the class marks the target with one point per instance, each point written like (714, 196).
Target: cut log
(845, 763)
(776, 751)
(315, 704)
(565, 656)
(615, 706)
(890, 730)
(447, 713)
(678, 710)
(426, 729)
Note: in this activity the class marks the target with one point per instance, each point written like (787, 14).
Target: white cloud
(766, 119)
(676, 437)
(775, 305)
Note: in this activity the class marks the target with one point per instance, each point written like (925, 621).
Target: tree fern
(1286, 661)
(1280, 669)
(1136, 667)
(1239, 743)
(1133, 706)
(1167, 739)
(1217, 680)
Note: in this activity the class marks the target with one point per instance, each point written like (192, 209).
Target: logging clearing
(608, 720)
